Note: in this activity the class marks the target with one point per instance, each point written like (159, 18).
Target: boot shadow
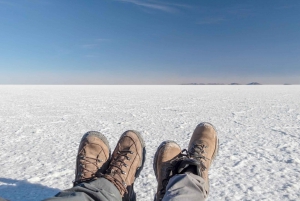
(22, 190)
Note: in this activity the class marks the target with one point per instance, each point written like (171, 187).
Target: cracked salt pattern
(258, 126)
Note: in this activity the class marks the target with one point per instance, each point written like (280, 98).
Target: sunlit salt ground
(258, 126)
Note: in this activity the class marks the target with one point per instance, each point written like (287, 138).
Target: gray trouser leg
(98, 190)
(186, 187)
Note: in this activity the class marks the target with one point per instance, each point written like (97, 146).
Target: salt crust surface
(258, 127)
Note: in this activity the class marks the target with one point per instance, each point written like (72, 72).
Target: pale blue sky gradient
(149, 42)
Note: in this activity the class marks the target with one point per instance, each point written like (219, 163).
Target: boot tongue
(189, 165)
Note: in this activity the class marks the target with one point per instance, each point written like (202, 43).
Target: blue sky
(149, 42)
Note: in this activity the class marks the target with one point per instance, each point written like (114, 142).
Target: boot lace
(115, 171)
(197, 152)
(83, 170)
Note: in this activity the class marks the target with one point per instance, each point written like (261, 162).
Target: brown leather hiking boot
(203, 147)
(165, 158)
(92, 158)
(127, 162)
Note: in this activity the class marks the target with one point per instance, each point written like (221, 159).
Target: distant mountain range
(234, 83)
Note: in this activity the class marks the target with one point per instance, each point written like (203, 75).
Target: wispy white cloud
(287, 6)
(91, 56)
(179, 5)
(8, 3)
(153, 5)
(102, 40)
(41, 1)
(90, 45)
(211, 20)
(24, 4)
(95, 43)
(240, 11)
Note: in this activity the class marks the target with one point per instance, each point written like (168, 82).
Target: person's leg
(92, 160)
(114, 183)
(98, 190)
(185, 176)
(186, 186)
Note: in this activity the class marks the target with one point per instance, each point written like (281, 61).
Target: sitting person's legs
(99, 177)
(184, 176)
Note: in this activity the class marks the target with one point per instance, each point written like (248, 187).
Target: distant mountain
(194, 84)
(215, 83)
(254, 83)
(203, 84)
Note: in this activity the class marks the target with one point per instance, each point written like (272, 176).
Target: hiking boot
(203, 148)
(165, 159)
(92, 158)
(126, 164)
